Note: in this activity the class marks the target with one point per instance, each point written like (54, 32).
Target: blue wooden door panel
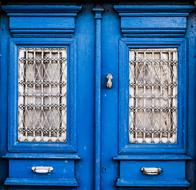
(147, 25)
(109, 104)
(67, 175)
(97, 154)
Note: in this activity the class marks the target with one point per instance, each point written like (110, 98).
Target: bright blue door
(97, 97)
(146, 98)
(50, 106)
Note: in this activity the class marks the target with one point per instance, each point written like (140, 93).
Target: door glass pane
(42, 87)
(153, 95)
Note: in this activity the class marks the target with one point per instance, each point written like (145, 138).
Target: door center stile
(98, 11)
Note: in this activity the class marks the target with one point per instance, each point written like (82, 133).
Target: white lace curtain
(42, 86)
(153, 95)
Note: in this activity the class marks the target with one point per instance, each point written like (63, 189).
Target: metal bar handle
(42, 169)
(151, 171)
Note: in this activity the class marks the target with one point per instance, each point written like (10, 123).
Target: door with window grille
(144, 99)
(49, 134)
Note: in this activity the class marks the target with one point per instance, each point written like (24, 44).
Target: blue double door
(126, 124)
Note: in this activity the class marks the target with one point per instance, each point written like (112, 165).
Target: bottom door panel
(41, 172)
(152, 174)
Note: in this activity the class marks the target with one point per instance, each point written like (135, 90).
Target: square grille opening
(153, 95)
(42, 92)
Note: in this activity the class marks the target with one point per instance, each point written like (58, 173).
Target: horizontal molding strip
(42, 8)
(154, 20)
(152, 157)
(42, 156)
(41, 182)
(154, 183)
(170, 9)
(41, 19)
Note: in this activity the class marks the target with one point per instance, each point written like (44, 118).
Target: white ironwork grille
(42, 88)
(153, 95)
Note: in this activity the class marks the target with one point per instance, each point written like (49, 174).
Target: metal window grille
(153, 95)
(42, 88)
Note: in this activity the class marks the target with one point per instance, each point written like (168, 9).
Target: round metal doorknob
(109, 78)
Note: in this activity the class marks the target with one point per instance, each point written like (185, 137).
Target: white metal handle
(109, 78)
(42, 169)
(151, 171)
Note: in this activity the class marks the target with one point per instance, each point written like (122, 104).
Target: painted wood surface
(97, 154)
